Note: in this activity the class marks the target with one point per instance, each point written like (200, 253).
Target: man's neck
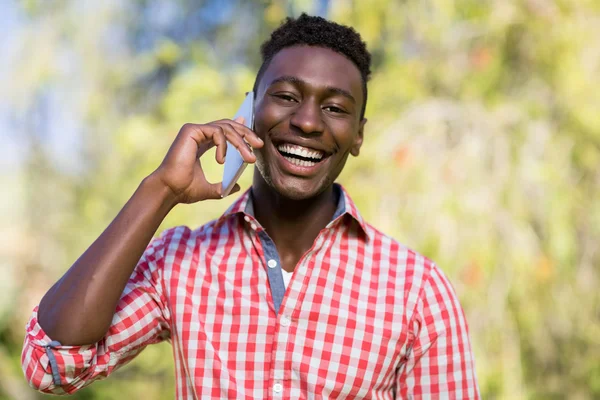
(293, 224)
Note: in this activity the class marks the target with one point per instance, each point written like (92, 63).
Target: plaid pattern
(362, 317)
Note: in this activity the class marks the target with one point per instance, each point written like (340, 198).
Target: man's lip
(312, 146)
(297, 170)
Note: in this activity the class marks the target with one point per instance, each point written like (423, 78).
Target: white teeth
(300, 151)
(300, 163)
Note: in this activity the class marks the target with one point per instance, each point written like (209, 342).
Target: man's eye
(334, 109)
(285, 97)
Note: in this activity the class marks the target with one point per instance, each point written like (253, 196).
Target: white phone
(234, 163)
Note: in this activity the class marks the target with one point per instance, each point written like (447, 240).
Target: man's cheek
(269, 116)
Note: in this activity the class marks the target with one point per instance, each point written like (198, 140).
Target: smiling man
(290, 293)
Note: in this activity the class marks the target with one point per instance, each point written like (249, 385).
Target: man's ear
(358, 141)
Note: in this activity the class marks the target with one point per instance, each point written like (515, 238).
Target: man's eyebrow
(296, 80)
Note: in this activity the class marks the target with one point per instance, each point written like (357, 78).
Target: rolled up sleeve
(141, 318)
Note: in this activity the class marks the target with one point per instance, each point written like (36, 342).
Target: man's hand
(181, 170)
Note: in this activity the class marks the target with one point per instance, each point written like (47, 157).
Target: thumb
(236, 188)
(213, 191)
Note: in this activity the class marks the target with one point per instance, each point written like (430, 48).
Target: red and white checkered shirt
(362, 317)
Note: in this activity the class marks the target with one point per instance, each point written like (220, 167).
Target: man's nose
(307, 117)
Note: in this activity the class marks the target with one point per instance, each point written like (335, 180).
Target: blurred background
(482, 152)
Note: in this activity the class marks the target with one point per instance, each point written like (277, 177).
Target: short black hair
(317, 31)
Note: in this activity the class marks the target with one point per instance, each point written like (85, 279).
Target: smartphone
(234, 163)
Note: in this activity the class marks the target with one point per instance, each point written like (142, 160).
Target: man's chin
(298, 190)
(293, 188)
(295, 191)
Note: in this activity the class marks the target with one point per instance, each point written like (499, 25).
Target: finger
(204, 148)
(235, 138)
(218, 137)
(206, 137)
(248, 134)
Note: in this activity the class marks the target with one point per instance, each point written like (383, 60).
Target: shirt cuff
(48, 365)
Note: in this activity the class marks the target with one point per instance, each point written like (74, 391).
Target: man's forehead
(317, 66)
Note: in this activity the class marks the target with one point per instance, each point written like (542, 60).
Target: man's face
(308, 105)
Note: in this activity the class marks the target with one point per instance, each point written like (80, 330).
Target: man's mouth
(300, 155)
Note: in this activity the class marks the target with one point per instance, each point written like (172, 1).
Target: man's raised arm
(78, 309)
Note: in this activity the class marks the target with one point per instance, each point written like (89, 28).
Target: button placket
(271, 259)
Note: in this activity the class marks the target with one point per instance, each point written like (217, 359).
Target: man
(289, 294)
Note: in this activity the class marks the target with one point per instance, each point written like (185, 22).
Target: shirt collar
(244, 206)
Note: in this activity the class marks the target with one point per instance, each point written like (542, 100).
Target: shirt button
(277, 388)
(272, 263)
(247, 218)
(285, 321)
(253, 226)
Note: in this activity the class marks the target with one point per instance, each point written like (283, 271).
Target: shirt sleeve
(439, 362)
(141, 318)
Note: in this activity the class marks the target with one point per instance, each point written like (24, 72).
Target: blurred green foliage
(482, 151)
